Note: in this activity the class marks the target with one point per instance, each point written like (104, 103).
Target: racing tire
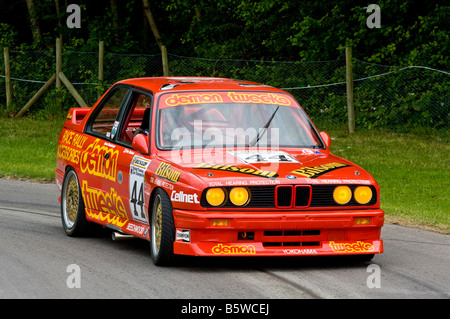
(364, 258)
(72, 206)
(162, 231)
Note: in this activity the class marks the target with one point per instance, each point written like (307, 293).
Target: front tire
(72, 206)
(162, 232)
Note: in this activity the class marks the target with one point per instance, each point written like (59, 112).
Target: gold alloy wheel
(73, 212)
(72, 199)
(158, 223)
(162, 232)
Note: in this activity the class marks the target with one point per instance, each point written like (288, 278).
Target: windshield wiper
(264, 130)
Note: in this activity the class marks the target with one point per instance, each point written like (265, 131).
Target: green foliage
(7, 35)
(412, 170)
(244, 40)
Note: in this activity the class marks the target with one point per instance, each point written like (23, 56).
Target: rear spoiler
(75, 118)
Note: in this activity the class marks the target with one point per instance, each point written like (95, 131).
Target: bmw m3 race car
(212, 167)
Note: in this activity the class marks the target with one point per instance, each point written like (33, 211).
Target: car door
(127, 193)
(99, 158)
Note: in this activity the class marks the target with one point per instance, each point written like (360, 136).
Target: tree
(34, 23)
(115, 20)
(151, 21)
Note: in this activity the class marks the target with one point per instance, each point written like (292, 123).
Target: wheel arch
(152, 199)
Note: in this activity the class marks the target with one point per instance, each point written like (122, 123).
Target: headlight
(215, 196)
(342, 194)
(363, 194)
(239, 196)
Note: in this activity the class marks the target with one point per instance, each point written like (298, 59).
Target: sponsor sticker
(236, 169)
(316, 171)
(137, 229)
(297, 251)
(345, 247)
(136, 187)
(177, 99)
(222, 249)
(264, 157)
(184, 198)
(110, 203)
(109, 219)
(91, 164)
(183, 235)
(140, 162)
(166, 171)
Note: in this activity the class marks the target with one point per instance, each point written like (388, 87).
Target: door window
(138, 118)
(104, 123)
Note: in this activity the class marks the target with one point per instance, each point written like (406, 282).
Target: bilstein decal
(316, 171)
(164, 170)
(235, 169)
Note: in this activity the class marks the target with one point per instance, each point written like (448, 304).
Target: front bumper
(279, 234)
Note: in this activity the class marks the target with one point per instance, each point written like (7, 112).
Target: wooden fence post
(7, 77)
(72, 90)
(349, 80)
(101, 56)
(37, 96)
(58, 62)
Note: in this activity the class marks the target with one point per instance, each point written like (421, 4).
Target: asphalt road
(37, 260)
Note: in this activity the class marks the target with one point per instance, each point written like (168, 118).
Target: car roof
(164, 84)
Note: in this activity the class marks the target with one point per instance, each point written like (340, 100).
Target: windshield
(232, 119)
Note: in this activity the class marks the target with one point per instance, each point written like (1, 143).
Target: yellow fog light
(220, 222)
(362, 221)
(239, 196)
(342, 194)
(363, 194)
(215, 196)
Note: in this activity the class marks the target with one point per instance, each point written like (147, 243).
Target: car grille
(291, 238)
(292, 197)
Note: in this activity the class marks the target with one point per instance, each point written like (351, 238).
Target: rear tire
(162, 232)
(72, 206)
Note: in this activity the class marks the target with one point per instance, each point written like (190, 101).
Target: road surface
(37, 260)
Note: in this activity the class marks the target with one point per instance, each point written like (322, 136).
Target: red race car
(212, 167)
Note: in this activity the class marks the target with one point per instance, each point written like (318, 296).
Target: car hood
(218, 167)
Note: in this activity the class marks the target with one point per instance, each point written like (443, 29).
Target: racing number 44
(137, 199)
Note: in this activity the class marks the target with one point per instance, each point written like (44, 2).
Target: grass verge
(413, 170)
(28, 148)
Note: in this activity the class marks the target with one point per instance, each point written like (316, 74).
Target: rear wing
(75, 118)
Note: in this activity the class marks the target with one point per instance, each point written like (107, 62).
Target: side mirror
(140, 143)
(326, 138)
